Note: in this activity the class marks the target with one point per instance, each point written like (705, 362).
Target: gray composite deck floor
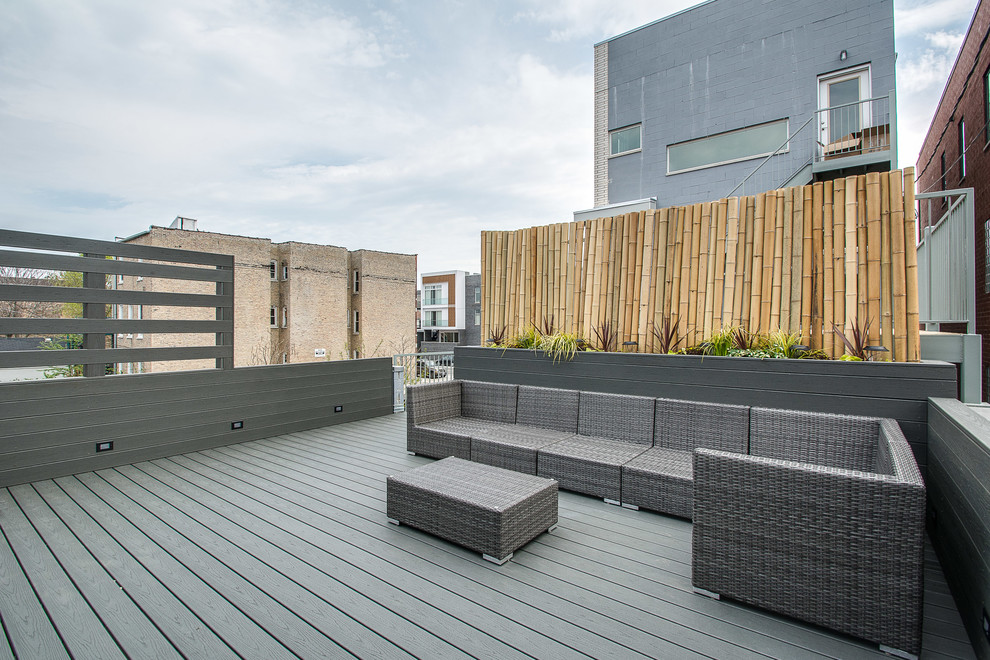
(280, 548)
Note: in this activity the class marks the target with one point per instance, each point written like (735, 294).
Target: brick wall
(964, 99)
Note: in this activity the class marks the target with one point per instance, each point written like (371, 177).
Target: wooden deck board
(280, 547)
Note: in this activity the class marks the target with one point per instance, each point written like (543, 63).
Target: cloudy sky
(380, 124)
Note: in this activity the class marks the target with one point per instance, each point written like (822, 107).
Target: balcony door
(842, 115)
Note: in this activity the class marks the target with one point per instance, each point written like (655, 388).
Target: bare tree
(270, 352)
(27, 308)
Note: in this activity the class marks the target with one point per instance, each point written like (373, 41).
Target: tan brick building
(293, 302)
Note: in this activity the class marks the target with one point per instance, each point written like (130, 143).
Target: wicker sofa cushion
(686, 425)
(548, 408)
(839, 441)
(495, 402)
(617, 417)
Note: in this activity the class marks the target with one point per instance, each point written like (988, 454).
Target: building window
(139, 312)
(942, 162)
(273, 318)
(356, 354)
(449, 337)
(285, 271)
(357, 282)
(357, 321)
(625, 140)
(986, 261)
(433, 319)
(272, 271)
(433, 294)
(843, 94)
(962, 148)
(743, 144)
(477, 295)
(477, 317)
(285, 317)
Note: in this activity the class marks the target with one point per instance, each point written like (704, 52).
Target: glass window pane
(627, 139)
(846, 120)
(737, 145)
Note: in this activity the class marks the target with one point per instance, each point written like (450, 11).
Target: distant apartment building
(293, 302)
(688, 106)
(449, 310)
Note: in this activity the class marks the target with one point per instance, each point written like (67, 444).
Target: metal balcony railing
(842, 136)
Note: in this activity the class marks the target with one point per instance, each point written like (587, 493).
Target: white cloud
(599, 19)
(920, 16)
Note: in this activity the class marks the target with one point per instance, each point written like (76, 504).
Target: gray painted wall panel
(730, 64)
(50, 428)
(959, 504)
(895, 390)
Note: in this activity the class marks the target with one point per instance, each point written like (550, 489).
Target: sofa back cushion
(548, 408)
(616, 416)
(841, 441)
(688, 425)
(494, 402)
(431, 402)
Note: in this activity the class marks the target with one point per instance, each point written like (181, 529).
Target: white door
(842, 117)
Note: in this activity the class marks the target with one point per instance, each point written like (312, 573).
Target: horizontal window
(743, 144)
(625, 140)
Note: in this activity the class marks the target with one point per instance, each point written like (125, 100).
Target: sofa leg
(630, 506)
(706, 593)
(612, 502)
(898, 653)
(551, 529)
(496, 560)
(393, 521)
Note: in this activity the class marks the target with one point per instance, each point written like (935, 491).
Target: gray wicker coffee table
(484, 508)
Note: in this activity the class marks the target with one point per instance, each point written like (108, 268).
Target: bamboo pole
(759, 241)
(873, 248)
(898, 284)
(744, 283)
(689, 287)
(676, 269)
(657, 286)
(485, 281)
(852, 252)
(817, 294)
(886, 301)
(731, 246)
(685, 274)
(772, 261)
(718, 278)
(807, 286)
(828, 284)
(797, 262)
(712, 209)
(644, 273)
(839, 263)
(911, 269)
(786, 252)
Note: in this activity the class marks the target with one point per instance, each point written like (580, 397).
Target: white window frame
(285, 271)
(356, 287)
(285, 317)
(628, 151)
(785, 150)
(865, 92)
(273, 271)
(273, 317)
(357, 322)
(962, 148)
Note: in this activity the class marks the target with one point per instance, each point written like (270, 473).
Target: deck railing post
(94, 310)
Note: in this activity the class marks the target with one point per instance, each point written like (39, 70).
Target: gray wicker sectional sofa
(815, 516)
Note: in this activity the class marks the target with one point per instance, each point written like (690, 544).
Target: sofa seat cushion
(588, 464)
(660, 479)
(513, 448)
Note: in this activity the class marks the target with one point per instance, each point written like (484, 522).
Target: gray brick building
(688, 106)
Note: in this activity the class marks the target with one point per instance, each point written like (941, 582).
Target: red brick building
(956, 154)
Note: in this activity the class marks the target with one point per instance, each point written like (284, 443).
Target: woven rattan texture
(494, 402)
(841, 441)
(548, 408)
(660, 479)
(617, 416)
(483, 508)
(838, 548)
(592, 466)
(514, 448)
(687, 425)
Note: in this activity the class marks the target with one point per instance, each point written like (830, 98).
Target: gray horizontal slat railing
(111, 296)
(110, 267)
(100, 262)
(52, 242)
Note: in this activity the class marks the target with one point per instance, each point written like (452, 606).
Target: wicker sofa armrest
(839, 548)
(432, 402)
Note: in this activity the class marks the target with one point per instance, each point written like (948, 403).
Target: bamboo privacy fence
(795, 259)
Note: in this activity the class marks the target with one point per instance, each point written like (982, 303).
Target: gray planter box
(880, 389)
